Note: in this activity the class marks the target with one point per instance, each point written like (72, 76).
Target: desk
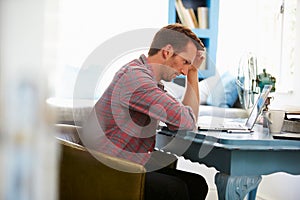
(241, 159)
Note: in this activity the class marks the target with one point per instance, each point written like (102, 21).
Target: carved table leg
(236, 187)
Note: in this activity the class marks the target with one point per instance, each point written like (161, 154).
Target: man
(129, 110)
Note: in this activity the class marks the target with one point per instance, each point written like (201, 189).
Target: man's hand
(200, 57)
(191, 96)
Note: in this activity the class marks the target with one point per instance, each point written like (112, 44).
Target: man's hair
(176, 35)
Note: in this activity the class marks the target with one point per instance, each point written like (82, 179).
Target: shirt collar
(144, 60)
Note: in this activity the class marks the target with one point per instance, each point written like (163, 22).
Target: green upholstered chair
(82, 176)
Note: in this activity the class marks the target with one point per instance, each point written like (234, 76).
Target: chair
(82, 176)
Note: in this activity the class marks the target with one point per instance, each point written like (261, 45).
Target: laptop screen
(257, 108)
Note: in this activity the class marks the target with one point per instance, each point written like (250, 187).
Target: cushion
(224, 93)
(206, 86)
(177, 91)
(205, 110)
(215, 90)
(69, 111)
(174, 89)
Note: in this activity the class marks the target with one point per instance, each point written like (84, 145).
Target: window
(263, 27)
(276, 40)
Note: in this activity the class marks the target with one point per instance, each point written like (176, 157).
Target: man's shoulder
(137, 69)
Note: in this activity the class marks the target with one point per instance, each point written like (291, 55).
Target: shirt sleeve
(140, 93)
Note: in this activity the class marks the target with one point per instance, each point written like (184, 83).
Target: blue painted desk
(241, 159)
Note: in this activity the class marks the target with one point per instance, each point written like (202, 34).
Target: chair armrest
(68, 132)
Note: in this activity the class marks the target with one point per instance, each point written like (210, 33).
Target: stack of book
(291, 125)
(291, 122)
(188, 17)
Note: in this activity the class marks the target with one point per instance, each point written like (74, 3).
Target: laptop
(232, 126)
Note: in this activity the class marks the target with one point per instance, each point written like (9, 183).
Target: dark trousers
(172, 184)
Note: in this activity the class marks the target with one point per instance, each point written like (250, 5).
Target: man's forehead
(187, 56)
(189, 51)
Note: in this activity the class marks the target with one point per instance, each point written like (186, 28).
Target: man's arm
(191, 97)
(148, 99)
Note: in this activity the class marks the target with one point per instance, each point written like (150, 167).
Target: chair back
(82, 176)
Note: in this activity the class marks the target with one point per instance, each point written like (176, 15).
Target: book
(184, 15)
(202, 13)
(193, 16)
(203, 66)
(291, 122)
(180, 12)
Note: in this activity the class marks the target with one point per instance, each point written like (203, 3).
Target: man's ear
(167, 51)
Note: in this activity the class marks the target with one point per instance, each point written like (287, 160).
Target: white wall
(85, 24)
(235, 23)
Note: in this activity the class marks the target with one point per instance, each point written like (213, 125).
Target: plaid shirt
(130, 109)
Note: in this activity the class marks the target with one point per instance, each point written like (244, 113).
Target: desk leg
(236, 187)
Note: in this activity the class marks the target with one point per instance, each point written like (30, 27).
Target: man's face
(179, 63)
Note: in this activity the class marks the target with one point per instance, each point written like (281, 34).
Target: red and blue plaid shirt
(130, 109)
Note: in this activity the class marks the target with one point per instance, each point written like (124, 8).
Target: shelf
(208, 36)
(203, 33)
